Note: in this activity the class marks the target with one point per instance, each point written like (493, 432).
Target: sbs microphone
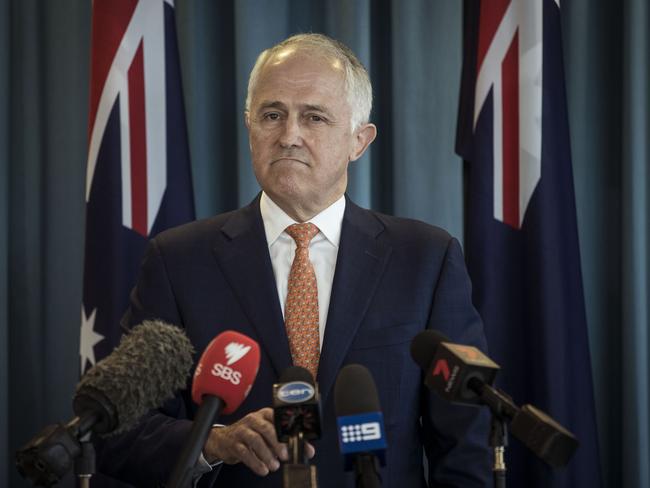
(463, 374)
(296, 415)
(360, 422)
(151, 362)
(223, 378)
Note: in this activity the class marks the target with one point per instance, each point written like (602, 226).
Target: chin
(287, 184)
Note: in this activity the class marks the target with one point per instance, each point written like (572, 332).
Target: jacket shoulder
(192, 230)
(402, 231)
(197, 233)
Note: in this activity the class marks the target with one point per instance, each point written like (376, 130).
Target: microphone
(151, 362)
(463, 374)
(296, 415)
(451, 368)
(362, 437)
(222, 381)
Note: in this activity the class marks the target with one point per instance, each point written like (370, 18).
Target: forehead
(300, 77)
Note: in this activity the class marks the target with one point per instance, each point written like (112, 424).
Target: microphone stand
(498, 441)
(547, 439)
(84, 464)
(298, 473)
(503, 409)
(51, 454)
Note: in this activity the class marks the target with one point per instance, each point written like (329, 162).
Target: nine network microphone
(222, 380)
(362, 438)
(297, 414)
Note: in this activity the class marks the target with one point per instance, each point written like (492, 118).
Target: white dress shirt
(323, 250)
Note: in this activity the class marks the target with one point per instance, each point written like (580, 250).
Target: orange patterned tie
(301, 308)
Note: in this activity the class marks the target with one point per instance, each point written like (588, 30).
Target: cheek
(261, 139)
(336, 153)
(256, 141)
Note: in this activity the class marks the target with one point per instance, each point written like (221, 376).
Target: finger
(263, 424)
(266, 413)
(249, 458)
(256, 443)
(310, 451)
(284, 452)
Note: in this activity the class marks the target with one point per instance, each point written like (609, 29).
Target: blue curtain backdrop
(413, 51)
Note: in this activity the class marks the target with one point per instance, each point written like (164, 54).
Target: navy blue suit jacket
(394, 277)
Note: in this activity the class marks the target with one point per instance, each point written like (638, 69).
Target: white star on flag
(88, 338)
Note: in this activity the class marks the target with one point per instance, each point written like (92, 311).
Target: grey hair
(357, 82)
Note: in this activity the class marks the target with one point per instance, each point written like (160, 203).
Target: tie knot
(302, 233)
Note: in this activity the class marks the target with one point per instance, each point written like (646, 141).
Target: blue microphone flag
(362, 432)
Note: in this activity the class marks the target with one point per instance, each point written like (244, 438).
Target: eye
(315, 118)
(271, 116)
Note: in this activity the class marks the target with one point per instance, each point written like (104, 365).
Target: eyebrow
(318, 108)
(279, 105)
(272, 104)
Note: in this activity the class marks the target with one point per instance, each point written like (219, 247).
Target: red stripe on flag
(109, 23)
(491, 14)
(138, 144)
(510, 96)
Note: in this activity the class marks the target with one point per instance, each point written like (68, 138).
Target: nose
(291, 135)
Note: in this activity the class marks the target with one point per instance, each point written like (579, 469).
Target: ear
(364, 135)
(247, 119)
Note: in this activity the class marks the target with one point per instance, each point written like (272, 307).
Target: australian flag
(138, 177)
(521, 233)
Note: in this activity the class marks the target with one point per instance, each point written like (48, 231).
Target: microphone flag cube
(453, 366)
(362, 432)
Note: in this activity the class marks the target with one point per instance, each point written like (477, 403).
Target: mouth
(294, 160)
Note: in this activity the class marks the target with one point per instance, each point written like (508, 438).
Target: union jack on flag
(138, 175)
(509, 65)
(521, 233)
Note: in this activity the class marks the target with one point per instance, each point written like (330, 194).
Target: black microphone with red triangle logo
(463, 374)
(451, 368)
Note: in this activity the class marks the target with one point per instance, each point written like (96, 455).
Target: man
(373, 282)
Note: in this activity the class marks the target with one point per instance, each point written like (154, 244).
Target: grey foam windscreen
(149, 365)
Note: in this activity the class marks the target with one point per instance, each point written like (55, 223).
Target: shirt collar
(275, 220)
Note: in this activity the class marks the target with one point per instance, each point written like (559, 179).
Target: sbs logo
(295, 392)
(235, 351)
(226, 372)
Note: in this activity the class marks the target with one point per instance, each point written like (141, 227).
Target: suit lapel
(244, 259)
(360, 263)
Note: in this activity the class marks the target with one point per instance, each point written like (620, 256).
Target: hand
(252, 441)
